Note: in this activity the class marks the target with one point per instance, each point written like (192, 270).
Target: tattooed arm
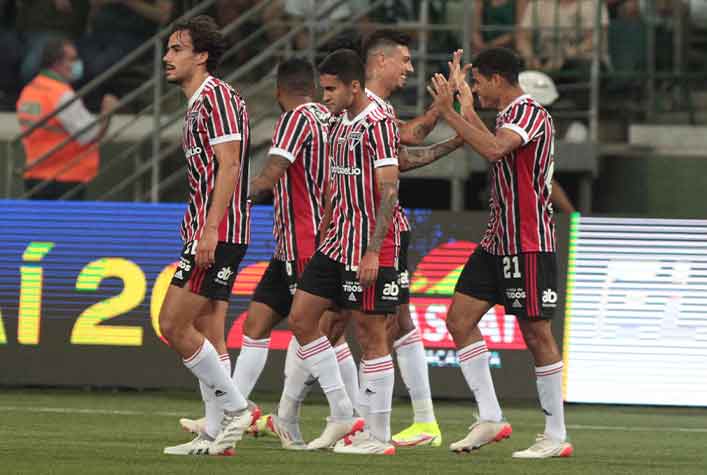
(387, 182)
(261, 186)
(413, 132)
(411, 158)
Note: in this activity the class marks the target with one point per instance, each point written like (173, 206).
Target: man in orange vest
(75, 162)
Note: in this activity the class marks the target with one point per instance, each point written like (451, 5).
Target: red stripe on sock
(191, 358)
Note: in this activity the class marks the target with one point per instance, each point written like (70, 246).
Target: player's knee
(256, 328)
(169, 328)
(299, 325)
(454, 323)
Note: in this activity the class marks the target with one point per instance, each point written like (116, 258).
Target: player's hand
(206, 248)
(466, 99)
(442, 94)
(457, 74)
(368, 269)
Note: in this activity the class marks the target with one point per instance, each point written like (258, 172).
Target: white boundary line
(119, 412)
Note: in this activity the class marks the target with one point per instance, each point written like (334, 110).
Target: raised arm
(474, 132)
(412, 158)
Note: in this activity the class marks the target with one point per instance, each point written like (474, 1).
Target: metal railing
(163, 118)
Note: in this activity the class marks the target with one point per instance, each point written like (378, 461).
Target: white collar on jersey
(374, 95)
(360, 115)
(514, 102)
(196, 94)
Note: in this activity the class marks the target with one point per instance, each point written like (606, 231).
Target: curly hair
(206, 38)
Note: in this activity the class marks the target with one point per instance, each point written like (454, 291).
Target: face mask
(76, 70)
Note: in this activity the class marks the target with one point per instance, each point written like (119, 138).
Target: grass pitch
(76, 432)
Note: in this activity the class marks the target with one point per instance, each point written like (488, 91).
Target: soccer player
(355, 266)
(515, 263)
(215, 231)
(388, 62)
(296, 173)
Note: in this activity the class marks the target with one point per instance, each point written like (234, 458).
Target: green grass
(75, 432)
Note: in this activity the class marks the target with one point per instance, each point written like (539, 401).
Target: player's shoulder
(313, 112)
(525, 104)
(218, 87)
(379, 117)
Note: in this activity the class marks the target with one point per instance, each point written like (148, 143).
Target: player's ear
(356, 86)
(202, 57)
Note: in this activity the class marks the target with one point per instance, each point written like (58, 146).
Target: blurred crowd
(555, 36)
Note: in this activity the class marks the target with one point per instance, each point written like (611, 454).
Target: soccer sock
(349, 372)
(206, 365)
(298, 383)
(376, 394)
(319, 360)
(550, 394)
(250, 364)
(413, 369)
(213, 409)
(474, 362)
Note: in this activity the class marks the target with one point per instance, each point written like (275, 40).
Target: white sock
(377, 380)
(474, 362)
(413, 369)
(250, 364)
(212, 407)
(349, 372)
(298, 383)
(550, 394)
(318, 359)
(206, 365)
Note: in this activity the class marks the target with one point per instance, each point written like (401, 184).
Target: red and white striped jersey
(359, 146)
(301, 137)
(216, 114)
(521, 212)
(403, 223)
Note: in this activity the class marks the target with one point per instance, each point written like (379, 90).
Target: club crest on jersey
(355, 138)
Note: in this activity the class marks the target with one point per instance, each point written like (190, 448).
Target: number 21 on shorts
(511, 263)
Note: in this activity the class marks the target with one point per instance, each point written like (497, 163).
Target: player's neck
(359, 103)
(508, 96)
(193, 83)
(377, 87)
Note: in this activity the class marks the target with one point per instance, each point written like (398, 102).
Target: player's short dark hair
(53, 51)
(384, 39)
(501, 61)
(345, 64)
(296, 76)
(205, 37)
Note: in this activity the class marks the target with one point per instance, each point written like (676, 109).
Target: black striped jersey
(215, 114)
(521, 218)
(404, 224)
(301, 137)
(358, 146)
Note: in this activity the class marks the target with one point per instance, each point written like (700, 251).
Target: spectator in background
(10, 55)
(117, 27)
(564, 32)
(495, 22)
(77, 161)
(40, 20)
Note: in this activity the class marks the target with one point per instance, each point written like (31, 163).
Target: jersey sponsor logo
(223, 275)
(391, 289)
(352, 286)
(350, 171)
(404, 279)
(352, 297)
(184, 264)
(515, 293)
(179, 275)
(191, 151)
(517, 304)
(549, 298)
